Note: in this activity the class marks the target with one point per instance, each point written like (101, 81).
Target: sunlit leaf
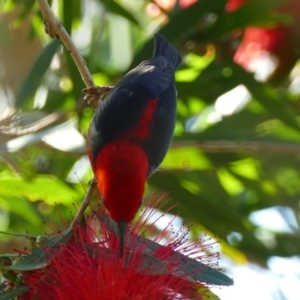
(47, 188)
(19, 206)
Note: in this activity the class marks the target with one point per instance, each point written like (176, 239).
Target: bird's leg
(94, 94)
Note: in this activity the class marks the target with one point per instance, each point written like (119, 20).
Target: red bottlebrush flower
(256, 41)
(233, 5)
(89, 265)
(186, 3)
(169, 4)
(278, 43)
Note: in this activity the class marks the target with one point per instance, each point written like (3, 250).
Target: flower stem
(85, 203)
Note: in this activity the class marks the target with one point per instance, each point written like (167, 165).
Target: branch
(34, 127)
(56, 30)
(241, 146)
(85, 203)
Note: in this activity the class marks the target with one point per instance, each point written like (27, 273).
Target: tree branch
(56, 30)
(241, 146)
(85, 203)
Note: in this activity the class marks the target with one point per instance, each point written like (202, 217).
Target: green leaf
(187, 268)
(20, 207)
(71, 10)
(14, 293)
(45, 187)
(39, 258)
(117, 9)
(207, 294)
(34, 76)
(197, 271)
(150, 265)
(147, 264)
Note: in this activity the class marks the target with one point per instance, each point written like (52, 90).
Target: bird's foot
(94, 94)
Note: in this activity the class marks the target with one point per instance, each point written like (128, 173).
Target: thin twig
(20, 234)
(56, 30)
(37, 126)
(85, 203)
(240, 146)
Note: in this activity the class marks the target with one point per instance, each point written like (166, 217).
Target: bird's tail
(164, 48)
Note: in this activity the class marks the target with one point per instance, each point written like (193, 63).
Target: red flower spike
(90, 267)
(233, 5)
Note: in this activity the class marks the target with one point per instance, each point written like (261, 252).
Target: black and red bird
(131, 132)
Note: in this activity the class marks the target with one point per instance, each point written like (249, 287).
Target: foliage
(222, 166)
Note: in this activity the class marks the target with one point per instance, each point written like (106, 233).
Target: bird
(131, 131)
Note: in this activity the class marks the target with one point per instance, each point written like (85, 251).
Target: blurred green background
(235, 157)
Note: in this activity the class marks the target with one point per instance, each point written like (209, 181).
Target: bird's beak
(122, 228)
